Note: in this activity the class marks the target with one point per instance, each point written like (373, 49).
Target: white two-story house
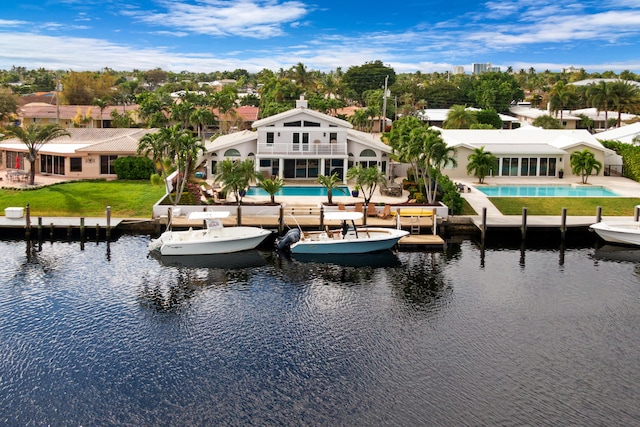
(301, 144)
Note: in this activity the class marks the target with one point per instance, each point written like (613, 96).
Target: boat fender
(288, 239)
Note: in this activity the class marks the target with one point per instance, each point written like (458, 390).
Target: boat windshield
(213, 223)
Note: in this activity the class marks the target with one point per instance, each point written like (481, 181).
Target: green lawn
(576, 206)
(128, 199)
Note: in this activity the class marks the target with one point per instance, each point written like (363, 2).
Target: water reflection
(246, 259)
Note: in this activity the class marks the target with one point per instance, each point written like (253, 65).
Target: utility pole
(384, 105)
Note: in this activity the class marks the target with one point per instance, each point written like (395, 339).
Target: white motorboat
(214, 239)
(623, 232)
(349, 239)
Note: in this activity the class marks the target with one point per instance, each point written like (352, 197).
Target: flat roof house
(301, 144)
(525, 152)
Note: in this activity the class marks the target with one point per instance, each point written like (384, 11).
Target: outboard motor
(288, 239)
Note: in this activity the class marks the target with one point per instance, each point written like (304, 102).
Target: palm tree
(235, 176)
(481, 163)
(626, 97)
(34, 137)
(437, 156)
(330, 182)
(561, 97)
(601, 96)
(101, 103)
(270, 185)
(153, 145)
(202, 117)
(583, 163)
(459, 117)
(367, 179)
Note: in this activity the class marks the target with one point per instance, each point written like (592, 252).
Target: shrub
(133, 168)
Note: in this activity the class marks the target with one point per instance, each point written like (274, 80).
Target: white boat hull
(367, 240)
(212, 241)
(626, 233)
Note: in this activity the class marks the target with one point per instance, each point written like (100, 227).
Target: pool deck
(624, 187)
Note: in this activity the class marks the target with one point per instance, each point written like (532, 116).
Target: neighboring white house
(301, 144)
(525, 152)
(625, 134)
(528, 115)
(437, 116)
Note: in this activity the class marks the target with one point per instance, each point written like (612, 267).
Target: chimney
(302, 103)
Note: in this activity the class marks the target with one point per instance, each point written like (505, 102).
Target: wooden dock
(421, 241)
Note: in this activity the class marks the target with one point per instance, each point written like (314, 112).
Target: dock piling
(39, 228)
(28, 222)
(483, 230)
(636, 213)
(563, 225)
(523, 228)
(108, 230)
(599, 214)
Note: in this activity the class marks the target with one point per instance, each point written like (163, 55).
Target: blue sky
(409, 35)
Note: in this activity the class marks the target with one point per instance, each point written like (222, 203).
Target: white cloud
(246, 18)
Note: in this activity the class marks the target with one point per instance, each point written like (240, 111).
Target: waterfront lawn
(128, 199)
(576, 206)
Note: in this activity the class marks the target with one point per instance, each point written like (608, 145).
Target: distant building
(458, 69)
(480, 68)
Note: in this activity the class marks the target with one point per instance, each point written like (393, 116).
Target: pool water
(546, 191)
(302, 190)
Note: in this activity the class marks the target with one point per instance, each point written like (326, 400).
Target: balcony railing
(302, 150)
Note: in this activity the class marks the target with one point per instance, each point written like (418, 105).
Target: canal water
(102, 334)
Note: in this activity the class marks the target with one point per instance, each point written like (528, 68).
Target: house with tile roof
(84, 154)
(91, 116)
(301, 144)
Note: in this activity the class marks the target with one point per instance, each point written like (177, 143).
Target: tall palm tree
(481, 163)
(367, 179)
(626, 97)
(459, 117)
(561, 96)
(34, 137)
(153, 145)
(583, 163)
(101, 103)
(601, 96)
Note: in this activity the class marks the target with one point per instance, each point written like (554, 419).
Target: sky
(407, 35)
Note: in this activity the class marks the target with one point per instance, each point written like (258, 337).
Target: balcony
(314, 149)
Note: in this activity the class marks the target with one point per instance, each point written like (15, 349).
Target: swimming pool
(301, 190)
(546, 191)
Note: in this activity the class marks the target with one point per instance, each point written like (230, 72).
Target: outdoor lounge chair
(386, 213)
(371, 209)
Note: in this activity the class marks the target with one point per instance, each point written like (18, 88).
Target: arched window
(232, 152)
(368, 153)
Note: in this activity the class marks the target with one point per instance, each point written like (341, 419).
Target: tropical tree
(235, 176)
(583, 163)
(153, 145)
(547, 122)
(459, 117)
(561, 96)
(481, 163)
(424, 149)
(181, 149)
(102, 104)
(34, 137)
(626, 97)
(330, 182)
(270, 185)
(601, 96)
(367, 179)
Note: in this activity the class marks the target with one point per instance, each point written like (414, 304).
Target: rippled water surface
(104, 335)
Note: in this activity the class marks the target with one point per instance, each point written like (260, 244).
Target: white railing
(312, 148)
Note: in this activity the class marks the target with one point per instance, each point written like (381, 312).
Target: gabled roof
(534, 113)
(368, 139)
(301, 112)
(231, 140)
(248, 113)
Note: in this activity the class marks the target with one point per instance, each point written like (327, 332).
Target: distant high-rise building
(458, 69)
(480, 68)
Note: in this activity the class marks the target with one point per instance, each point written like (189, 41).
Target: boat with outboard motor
(349, 239)
(214, 239)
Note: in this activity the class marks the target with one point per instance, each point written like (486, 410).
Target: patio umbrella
(17, 162)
